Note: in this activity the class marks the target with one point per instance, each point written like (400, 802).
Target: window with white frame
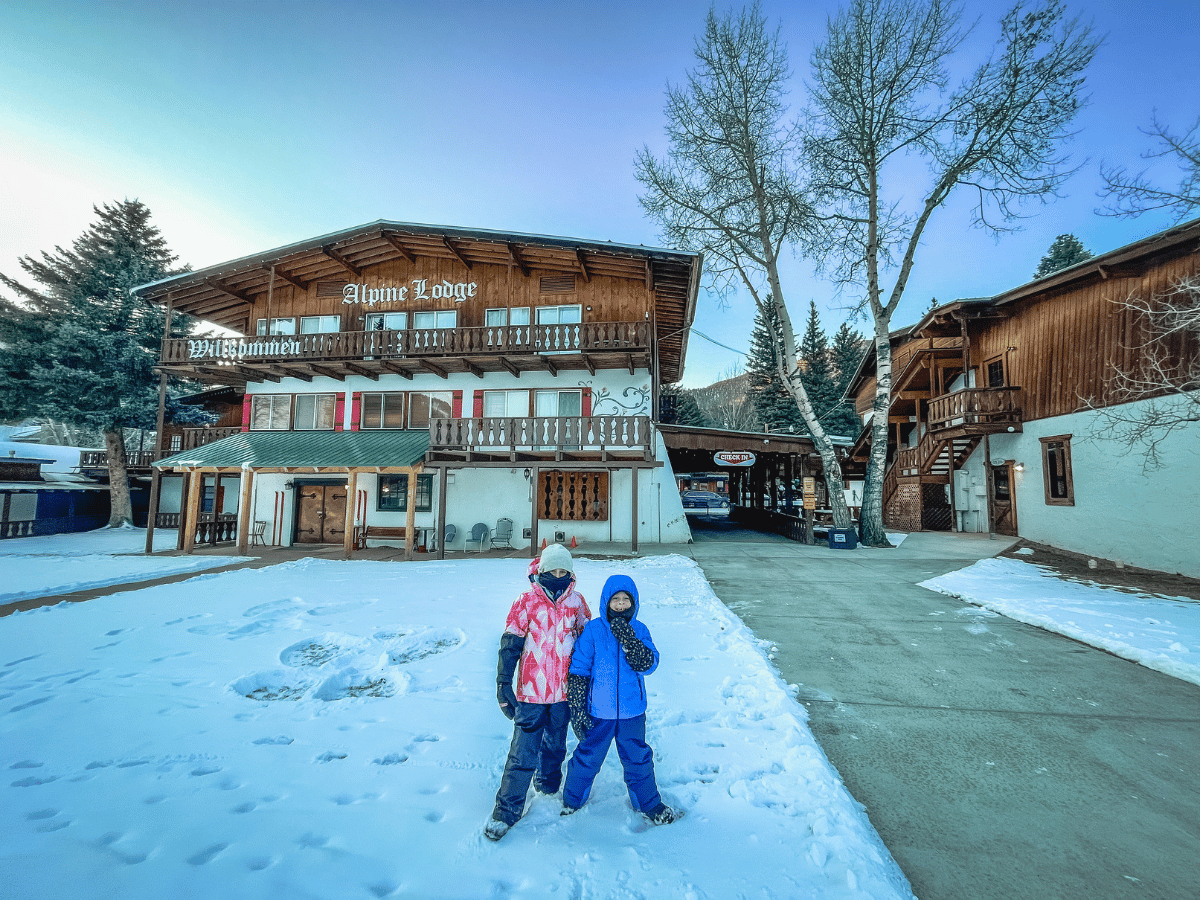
(271, 412)
(499, 404)
(517, 315)
(315, 412)
(558, 403)
(426, 405)
(440, 318)
(383, 410)
(278, 326)
(393, 321)
(320, 324)
(559, 315)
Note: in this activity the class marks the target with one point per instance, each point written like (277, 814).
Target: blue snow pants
(539, 744)
(637, 761)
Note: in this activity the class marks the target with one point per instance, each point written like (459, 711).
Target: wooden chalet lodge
(993, 425)
(449, 388)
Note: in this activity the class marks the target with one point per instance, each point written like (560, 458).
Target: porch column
(244, 511)
(636, 473)
(441, 517)
(351, 512)
(189, 519)
(533, 529)
(410, 518)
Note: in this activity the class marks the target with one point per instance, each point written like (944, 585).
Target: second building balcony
(541, 438)
(975, 411)
(440, 351)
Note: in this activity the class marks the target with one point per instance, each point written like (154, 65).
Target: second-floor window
(505, 403)
(387, 321)
(383, 410)
(271, 412)
(426, 405)
(441, 318)
(315, 412)
(278, 326)
(995, 373)
(517, 315)
(559, 315)
(320, 324)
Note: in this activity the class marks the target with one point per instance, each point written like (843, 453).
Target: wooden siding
(1063, 348)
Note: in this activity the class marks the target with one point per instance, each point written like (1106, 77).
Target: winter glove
(637, 654)
(577, 700)
(511, 646)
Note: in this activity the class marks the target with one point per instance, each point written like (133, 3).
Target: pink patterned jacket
(550, 630)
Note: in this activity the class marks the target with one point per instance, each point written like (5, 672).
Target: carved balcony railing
(143, 459)
(578, 337)
(542, 434)
(198, 437)
(976, 411)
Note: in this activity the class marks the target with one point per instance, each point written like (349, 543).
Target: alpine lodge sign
(733, 458)
(417, 289)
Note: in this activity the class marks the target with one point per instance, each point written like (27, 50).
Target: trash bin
(842, 539)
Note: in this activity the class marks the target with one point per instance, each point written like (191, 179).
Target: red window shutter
(246, 412)
(356, 411)
(586, 403)
(339, 412)
(478, 406)
(456, 410)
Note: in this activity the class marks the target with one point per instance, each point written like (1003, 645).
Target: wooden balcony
(478, 350)
(533, 438)
(198, 437)
(975, 411)
(138, 462)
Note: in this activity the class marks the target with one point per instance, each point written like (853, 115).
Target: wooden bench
(379, 532)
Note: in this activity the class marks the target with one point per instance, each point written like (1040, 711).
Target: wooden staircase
(931, 460)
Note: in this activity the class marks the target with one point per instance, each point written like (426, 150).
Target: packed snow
(1161, 633)
(329, 729)
(64, 563)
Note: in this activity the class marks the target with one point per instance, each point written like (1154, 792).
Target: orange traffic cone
(543, 543)
(573, 544)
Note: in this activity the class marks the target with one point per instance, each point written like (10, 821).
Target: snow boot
(569, 810)
(661, 815)
(495, 829)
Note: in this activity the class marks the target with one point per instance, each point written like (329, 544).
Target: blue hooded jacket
(617, 691)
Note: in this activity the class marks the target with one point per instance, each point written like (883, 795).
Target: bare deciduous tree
(881, 103)
(1133, 194)
(1165, 376)
(726, 403)
(728, 187)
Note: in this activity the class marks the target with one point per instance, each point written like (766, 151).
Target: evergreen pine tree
(845, 355)
(815, 369)
(81, 347)
(775, 406)
(1064, 252)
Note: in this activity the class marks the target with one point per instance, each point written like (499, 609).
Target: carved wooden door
(320, 513)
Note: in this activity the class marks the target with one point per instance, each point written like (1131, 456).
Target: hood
(618, 583)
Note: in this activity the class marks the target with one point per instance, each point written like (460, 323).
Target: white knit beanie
(556, 556)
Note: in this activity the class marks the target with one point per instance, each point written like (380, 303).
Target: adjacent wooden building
(996, 422)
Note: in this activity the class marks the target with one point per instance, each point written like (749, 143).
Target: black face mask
(555, 587)
(626, 614)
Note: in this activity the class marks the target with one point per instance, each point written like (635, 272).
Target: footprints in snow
(340, 667)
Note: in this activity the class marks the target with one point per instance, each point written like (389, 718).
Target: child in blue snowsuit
(606, 691)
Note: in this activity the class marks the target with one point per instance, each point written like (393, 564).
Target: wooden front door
(320, 513)
(1004, 501)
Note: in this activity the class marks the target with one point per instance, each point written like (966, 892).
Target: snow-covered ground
(1161, 633)
(329, 729)
(62, 563)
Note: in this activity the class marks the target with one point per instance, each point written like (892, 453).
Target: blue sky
(246, 126)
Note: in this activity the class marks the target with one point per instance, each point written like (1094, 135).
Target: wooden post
(245, 513)
(953, 505)
(636, 472)
(987, 485)
(533, 530)
(155, 472)
(351, 512)
(411, 518)
(441, 517)
(188, 520)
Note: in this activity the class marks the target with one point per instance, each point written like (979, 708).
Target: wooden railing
(198, 437)
(988, 407)
(98, 459)
(542, 433)
(579, 337)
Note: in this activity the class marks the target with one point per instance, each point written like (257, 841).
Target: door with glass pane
(380, 341)
(434, 330)
(558, 415)
(505, 413)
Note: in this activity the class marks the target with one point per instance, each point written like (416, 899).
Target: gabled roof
(330, 450)
(224, 293)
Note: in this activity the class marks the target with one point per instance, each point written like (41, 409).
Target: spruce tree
(81, 347)
(1066, 251)
(774, 404)
(815, 370)
(845, 355)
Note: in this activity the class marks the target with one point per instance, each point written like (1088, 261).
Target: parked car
(704, 503)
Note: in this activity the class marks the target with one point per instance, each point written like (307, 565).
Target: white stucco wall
(1145, 518)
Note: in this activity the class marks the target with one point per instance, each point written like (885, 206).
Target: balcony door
(550, 406)
(320, 513)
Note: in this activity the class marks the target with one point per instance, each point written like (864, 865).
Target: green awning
(339, 450)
